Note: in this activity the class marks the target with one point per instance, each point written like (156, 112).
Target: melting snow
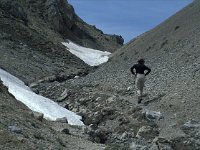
(50, 109)
(90, 56)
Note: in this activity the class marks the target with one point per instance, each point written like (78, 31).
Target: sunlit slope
(172, 51)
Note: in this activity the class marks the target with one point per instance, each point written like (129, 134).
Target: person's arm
(148, 71)
(132, 70)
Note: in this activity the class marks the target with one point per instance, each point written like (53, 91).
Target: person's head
(141, 61)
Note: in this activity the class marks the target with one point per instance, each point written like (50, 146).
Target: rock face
(63, 19)
(33, 31)
(60, 16)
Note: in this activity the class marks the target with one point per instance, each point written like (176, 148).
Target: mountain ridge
(168, 117)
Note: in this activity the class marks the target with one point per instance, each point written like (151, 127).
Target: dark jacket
(140, 68)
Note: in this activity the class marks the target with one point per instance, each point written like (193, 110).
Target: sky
(128, 18)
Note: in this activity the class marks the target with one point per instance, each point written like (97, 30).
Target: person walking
(140, 70)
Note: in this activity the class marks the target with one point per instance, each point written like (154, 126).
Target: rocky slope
(173, 87)
(31, 36)
(22, 129)
(31, 33)
(106, 98)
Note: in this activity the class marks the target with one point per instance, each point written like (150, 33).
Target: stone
(152, 115)
(36, 91)
(111, 99)
(33, 85)
(83, 101)
(107, 111)
(66, 131)
(75, 110)
(76, 77)
(97, 117)
(62, 120)
(125, 136)
(191, 124)
(39, 116)
(15, 129)
(82, 112)
(128, 88)
(134, 146)
(50, 78)
(160, 143)
(66, 106)
(63, 96)
(147, 133)
(154, 147)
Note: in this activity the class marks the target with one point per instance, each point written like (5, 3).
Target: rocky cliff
(31, 36)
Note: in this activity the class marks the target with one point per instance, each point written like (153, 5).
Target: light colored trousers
(139, 83)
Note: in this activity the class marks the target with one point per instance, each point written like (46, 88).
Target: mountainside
(23, 129)
(172, 51)
(167, 119)
(31, 36)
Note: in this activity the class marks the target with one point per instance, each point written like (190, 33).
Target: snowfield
(49, 108)
(90, 56)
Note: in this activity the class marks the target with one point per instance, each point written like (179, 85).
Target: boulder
(63, 96)
(152, 115)
(15, 129)
(160, 143)
(147, 132)
(62, 120)
(65, 131)
(39, 116)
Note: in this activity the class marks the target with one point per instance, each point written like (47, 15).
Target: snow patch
(90, 56)
(49, 108)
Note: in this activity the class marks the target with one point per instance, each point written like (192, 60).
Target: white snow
(90, 56)
(50, 109)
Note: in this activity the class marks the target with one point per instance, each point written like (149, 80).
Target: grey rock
(62, 120)
(15, 129)
(152, 115)
(33, 85)
(191, 125)
(63, 96)
(111, 99)
(83, 101)
(160, 143)
(125, 136)
(107, 111)
(39, 116)
(154, 147)
(135, 146)
(147, 132)
(65, 131)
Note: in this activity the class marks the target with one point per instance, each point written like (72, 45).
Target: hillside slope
(172, 50)
(19, 129)
(31, 33)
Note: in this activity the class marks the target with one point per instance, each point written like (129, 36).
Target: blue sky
(128, 18)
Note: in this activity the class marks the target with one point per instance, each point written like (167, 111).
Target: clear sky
(128, 18)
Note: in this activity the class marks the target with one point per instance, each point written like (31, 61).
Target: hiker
(140, 72)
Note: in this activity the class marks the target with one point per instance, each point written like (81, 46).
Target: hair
(141, 61)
